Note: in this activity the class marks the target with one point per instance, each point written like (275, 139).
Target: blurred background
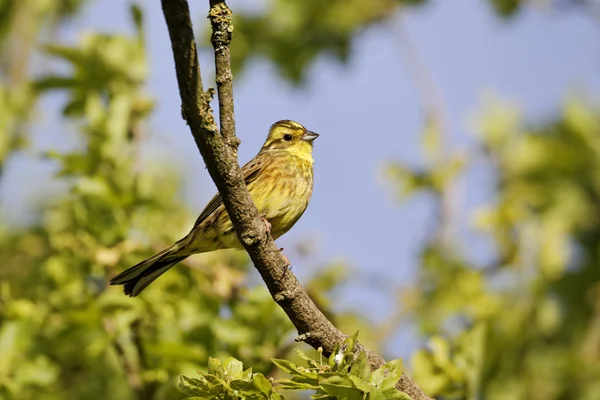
(455, 219)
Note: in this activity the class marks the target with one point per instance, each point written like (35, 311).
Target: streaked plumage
(280, 181)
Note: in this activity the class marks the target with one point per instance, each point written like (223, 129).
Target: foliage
(228, 381)
(527, 321)
(292, 34)
(523, 326)
(20, 24)
(344, 375)
(63, 332)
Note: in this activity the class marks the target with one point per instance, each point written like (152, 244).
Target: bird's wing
(249, 172)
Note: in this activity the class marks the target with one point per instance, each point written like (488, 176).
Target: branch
(219, 151)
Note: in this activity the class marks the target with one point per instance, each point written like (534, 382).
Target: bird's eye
(287, 137)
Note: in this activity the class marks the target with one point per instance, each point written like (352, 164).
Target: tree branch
(219, 151)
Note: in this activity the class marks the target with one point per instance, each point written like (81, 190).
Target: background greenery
(527, 326)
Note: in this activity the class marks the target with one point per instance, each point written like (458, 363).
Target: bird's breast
(283, 193)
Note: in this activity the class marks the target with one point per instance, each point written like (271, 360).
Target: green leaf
(341, 387)
(344, 356)
(52, 82)
(333, 357)
(71, 54)
(389, 394)
(215, 367)
(311, 363)
(349, 344)
(294, 385)
(440, 348)
(395, 394)
(246, 388)
(284, 365)
(213, 379)
(361, 368)
(378, 375)
(262, 383)
(192, 386)
(247, 375)
(300, 374)
(394, 369)
(137, 16)
(363, 385)
(220, 388)
(505, 8)
(376, 394)
(233, 368)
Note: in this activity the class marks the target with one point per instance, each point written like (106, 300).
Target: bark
(219, 151)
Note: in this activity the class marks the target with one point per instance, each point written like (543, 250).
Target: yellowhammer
(280, 182)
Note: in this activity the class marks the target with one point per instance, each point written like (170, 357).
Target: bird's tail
(136, 278)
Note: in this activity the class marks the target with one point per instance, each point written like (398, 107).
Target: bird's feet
(288, 264)
(267, 224)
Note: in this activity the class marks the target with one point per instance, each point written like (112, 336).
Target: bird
(280, 182)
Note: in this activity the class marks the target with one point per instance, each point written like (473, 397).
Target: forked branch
(219, 151)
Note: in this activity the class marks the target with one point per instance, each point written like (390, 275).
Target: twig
(435, 119)
(130, 367)
(219, 151)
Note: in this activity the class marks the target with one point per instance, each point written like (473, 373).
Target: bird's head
(290, 136)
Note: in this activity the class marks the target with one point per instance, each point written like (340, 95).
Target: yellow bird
(280, 181)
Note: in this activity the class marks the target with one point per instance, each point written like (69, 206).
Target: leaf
(284, 365)
(247, 374)
(363, 385)
(293, 385)
(246, 388)
(220, 388)
(215, 367)
(389, 394)
(394, 369)
(137, 16)
(52, 82)
(311, 363)
(74, 55)
(300, 374)
(395, 394)
(73, 108)
(349, 343)
(505, 8)
(377, 376)
(341, 387)
(440, 348)
(332, 357)
(361, 368)
(233, 367)
(192, 386)
(346, 353)
(213, 379)
(376, 394)
(262, 383)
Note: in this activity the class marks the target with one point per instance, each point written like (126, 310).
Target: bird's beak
(309, 136)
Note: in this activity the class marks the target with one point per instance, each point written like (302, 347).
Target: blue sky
(367, 112)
